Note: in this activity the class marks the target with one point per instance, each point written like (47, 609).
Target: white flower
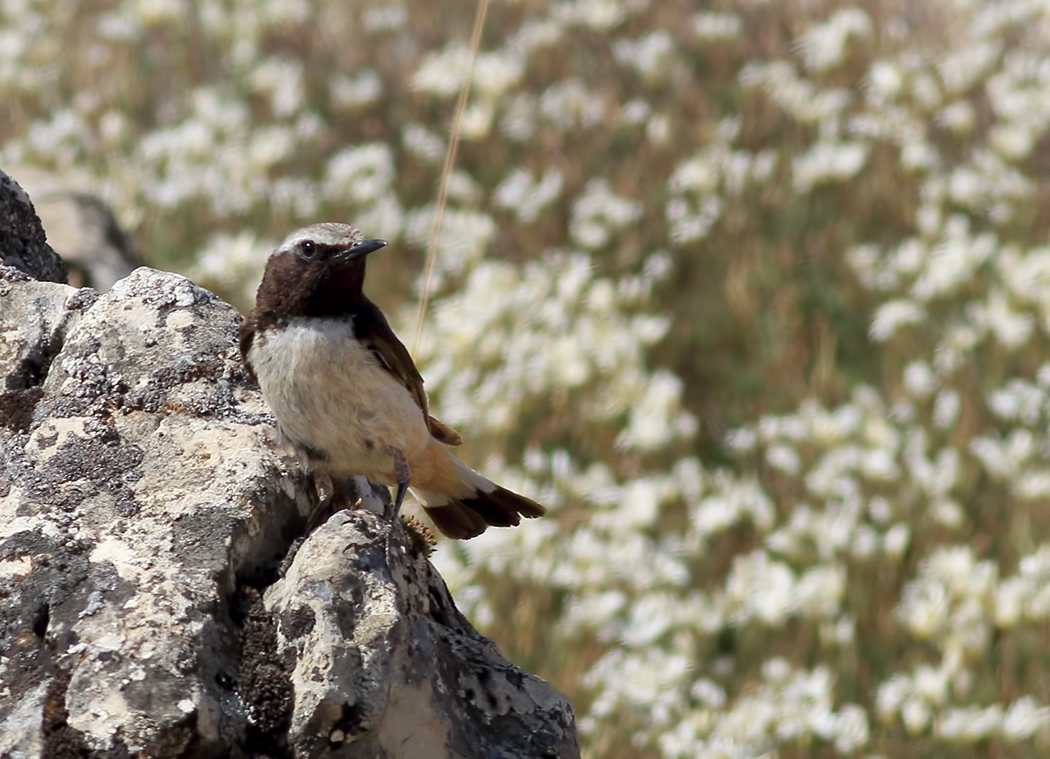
(362, 88)
(948, 513)
(600, 15)
(891, 316)
(824, 45)
(964, 67)
(650, 55)
(442, 73)
(895, 541)
(783, 458)
(959, 117)
(570, 103)
(495, 73)
(891, 696)
(423, 143)
(828, 162)
(946, 408)
(758, 587)
(527, 198)
(283, 80)
(1032, 485)
(359, 174)
(916, 715)
(1010, 599)
(598, 212)
(708, 693)
(885, 80)
(1023, 718)
(712, 27)
(919, 379)
(850, 730)
(954, 262)
(971, 724)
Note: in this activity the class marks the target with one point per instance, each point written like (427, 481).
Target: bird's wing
(374, 331)
(442, 432)
(246, 333)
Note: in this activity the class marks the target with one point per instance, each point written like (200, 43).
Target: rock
(383, 663)
(140, 490)
(80, 227)
(23, 244)
(145, 514)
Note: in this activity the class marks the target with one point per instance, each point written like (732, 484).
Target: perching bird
(345, 391)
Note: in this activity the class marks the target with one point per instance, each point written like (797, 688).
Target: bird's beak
(363, 248)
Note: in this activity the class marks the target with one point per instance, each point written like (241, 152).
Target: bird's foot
(401, 476)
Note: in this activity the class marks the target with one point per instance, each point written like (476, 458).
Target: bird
(345, 392)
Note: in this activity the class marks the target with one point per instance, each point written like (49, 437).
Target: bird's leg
(401, 476)
(342, 494)
(338, 496)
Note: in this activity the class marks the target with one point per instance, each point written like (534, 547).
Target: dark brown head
(317, 271)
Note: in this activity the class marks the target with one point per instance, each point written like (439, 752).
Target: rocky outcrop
(148, 602)
(80, 227)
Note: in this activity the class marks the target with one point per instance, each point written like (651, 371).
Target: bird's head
(318, 270)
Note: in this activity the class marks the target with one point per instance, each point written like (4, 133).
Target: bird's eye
(308, 249)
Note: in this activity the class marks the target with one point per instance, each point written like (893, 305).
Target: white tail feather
(475, 480)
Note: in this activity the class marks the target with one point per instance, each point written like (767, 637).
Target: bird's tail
(478, 504)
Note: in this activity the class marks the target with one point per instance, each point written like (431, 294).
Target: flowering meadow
(754, 295)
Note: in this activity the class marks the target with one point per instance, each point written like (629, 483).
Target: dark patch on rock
(222, 401)
(201, 540)
(104, 576)
(155, 395)
(438, 604)
(297, 622)
(58, 567)
(46, 441)
(97, 386)
(11, 274)
(41, 618)
(37, 608)
(21, 388)
(264, 683)
(16, 407)
(352, 720)
(346, 615)
(99, 464)
(29, 372)
(187, 370)
(82, 299)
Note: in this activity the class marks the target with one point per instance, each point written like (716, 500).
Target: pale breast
(333, 399)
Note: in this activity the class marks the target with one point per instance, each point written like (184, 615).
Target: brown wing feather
(246, 334)
(442, 432)
(377, 335)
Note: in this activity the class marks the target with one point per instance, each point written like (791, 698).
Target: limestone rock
(385, 665)
(145, 513)
(140, 491)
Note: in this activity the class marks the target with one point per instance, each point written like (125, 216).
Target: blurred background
(754, 295)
